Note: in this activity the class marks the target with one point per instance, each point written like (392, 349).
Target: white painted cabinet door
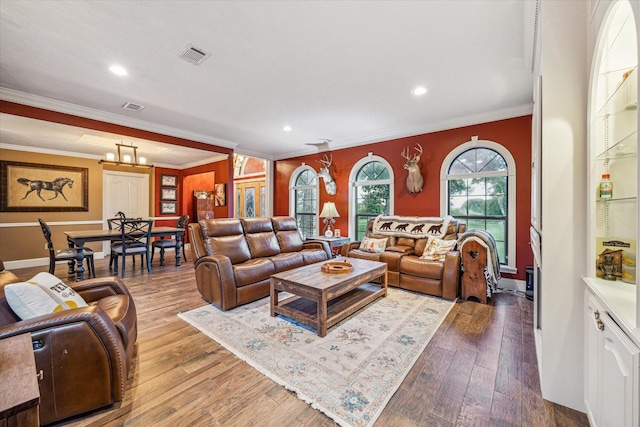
(612, 368)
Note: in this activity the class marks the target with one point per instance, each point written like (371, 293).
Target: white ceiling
(338, 70)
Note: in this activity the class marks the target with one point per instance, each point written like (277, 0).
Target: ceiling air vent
(194, 55)
(130, 106)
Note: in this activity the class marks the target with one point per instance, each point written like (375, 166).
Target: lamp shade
(329, 211)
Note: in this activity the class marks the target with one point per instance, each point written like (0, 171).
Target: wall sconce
(329, 212)
(126, 159)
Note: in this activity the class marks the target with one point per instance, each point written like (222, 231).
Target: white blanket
(411, 226)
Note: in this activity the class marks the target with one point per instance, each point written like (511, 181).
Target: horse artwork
(56, 186)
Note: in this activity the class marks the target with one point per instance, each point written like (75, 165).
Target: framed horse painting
(32, 187)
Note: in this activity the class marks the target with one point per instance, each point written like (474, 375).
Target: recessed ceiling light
(118, 69)
(420, 90)
(287, 129)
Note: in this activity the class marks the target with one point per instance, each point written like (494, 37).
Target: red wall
(514, 134)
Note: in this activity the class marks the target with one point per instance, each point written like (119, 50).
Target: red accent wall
(514, 134)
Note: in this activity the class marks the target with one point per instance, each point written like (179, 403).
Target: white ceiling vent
(130, 106)
(194, 55)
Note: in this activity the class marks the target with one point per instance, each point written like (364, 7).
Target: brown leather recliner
(235, 258)
(405, 267)
(84, 353)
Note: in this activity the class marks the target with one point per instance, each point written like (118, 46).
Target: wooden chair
(135, 239)
(163, 244)
(68, 255)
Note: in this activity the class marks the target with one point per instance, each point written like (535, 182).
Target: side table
(335, 243)
(19, 394)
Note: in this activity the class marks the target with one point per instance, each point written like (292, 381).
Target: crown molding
(476, 119)
(31, 100)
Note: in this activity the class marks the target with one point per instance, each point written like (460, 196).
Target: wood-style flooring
(479, 369)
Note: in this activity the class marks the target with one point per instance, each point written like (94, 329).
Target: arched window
(371, 181)
(479, 190)
(304, 199)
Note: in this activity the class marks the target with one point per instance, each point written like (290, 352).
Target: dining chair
(135, 239)
(68, 254)
(163, 244)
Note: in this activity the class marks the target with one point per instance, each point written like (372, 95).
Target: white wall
(565, 72)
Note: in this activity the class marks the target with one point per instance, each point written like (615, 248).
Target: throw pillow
(29, 300)
(43, 294)
(373, 245)
(436, 249)
(60, 292)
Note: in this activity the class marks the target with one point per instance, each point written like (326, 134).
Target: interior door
(124, 192)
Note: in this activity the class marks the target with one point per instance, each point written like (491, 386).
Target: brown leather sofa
(405, 268)
(235, 258)
(83, 353)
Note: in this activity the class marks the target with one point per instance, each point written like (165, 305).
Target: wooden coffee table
(320, 299)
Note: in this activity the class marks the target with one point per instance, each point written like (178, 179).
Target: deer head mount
(414, 179)
(325, 174)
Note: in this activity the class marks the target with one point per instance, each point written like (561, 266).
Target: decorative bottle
(606, 187)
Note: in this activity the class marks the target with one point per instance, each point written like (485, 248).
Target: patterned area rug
(350, 374)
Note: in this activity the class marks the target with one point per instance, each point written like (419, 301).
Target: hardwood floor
(479, 369)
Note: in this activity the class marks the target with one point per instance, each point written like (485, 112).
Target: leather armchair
(83, 353)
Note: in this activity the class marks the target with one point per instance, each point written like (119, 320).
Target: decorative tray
(335, 267)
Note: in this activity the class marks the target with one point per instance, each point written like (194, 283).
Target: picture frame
(35, 187)
(168, 180)
(168, 208)
(168, 193)
(220, 194)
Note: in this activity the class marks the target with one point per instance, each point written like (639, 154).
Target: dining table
(77, 239)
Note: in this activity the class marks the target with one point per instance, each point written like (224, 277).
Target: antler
(405, 153)
(327, 161)
(419, 150)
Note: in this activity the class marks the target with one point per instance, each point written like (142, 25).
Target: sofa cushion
(311, 256)
(373, 245)
(410, 264)
(260, 237)
(360, 254)
(436, 249)
(287, 261)
(252, 271)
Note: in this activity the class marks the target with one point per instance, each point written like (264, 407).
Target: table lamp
(329, 212)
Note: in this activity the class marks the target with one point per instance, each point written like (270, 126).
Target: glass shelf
(624, 97)
(617, 200)
(627, 147)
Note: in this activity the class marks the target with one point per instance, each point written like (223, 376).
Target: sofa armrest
(216, 281)
(451, 275)
(318, 244)
(95, 289)
(85, 336)
(348, 247)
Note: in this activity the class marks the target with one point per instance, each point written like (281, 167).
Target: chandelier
(127, 156)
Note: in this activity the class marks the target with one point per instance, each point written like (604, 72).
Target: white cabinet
(612, 394)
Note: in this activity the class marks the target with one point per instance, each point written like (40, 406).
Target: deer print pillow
(436, 249)
(373, 245)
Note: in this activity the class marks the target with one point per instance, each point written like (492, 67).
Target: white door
(124, 192)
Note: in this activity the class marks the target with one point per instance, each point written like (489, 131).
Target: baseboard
(38, 262)
(512, 284)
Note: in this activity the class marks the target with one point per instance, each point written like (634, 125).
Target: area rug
(350, 374)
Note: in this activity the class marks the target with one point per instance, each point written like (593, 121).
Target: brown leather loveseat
(83, 353)
(235, 258)
(403, 253)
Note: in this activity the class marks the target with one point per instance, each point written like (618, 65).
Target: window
(371, 181)
(479, 190)
(304, 199)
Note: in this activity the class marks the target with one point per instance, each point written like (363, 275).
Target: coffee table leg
(322, 316)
